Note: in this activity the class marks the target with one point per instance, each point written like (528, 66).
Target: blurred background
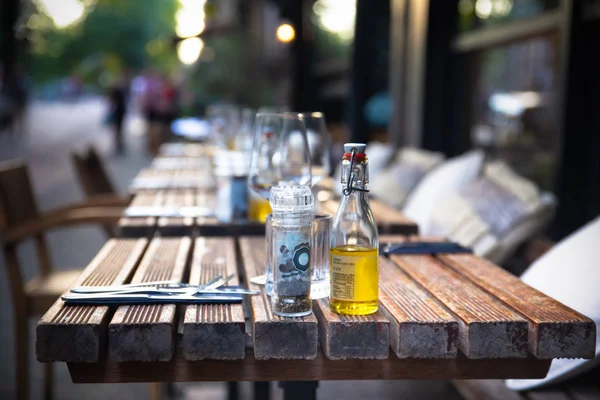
(518, 79)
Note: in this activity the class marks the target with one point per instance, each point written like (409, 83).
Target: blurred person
(152, 89)
(16, 99)
(161, 109)
(138, 90)
(118, 109)
(72, 87)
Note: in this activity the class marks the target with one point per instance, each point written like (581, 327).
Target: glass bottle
(354, 274)
(290, 246)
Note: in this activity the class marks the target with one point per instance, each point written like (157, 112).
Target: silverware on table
(423, 248)
(126, 299)
(158, 292)
(214, 283)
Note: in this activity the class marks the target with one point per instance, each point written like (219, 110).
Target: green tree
(113, 36)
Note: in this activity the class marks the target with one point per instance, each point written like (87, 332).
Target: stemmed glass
(319, 143)
(280, 152)
(224, 120)
(244, 135)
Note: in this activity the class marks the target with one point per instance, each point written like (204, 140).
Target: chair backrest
(91, 173)
(17, 201)
(18, 206)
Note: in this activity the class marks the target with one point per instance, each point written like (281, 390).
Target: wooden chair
(20, 219)
(96, 183)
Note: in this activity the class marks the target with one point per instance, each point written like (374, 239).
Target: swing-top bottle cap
(360, 147)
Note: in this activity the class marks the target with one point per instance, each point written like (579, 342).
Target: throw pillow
(493, 214)
(447, 178)
(394, 183)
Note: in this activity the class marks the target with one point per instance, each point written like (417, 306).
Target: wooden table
(440, 317)
(182, 176)
(388, 219)
(173, 178)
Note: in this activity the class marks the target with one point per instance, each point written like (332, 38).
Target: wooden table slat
(211, 226)
(555, 330)
(319, 369)
(346, 337)
(186, 178)
(213, 331)
(487, 327)
(177, 226)
(388, 219)
(420, 326)
(146, 332)
(141, 226)
(78, 333)
(275, 337)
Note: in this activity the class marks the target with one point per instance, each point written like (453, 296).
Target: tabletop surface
(191, 190)
(440, 317)
(444, 316)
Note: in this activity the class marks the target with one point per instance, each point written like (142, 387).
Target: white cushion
(446, 178)
(494, 214)
(394, 183)
(534, 224)
(569, 273)
(379, 155)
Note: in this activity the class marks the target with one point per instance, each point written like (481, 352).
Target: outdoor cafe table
(176, 179)
(444, 316)
(388, 219)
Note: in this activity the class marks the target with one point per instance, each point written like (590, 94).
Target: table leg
(301, 390)
(262, 390)
(233, 391)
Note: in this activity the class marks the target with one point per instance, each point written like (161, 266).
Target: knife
(125, 299)
(423, 248)
(214, 283)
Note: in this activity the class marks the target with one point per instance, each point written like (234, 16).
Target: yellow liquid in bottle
(258, 209)
(354, 280)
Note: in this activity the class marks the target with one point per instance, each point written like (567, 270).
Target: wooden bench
(433, 322)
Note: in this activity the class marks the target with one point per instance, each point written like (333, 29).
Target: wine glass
(319, 144)
(280, 152)
(295, 163)
(225, 121)
(244, 136)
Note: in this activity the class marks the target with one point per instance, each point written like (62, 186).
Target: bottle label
(291, 262)
(354, 278)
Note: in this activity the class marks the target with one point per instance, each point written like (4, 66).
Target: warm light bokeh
(286, 33)
(337, 16)
(188, 50)
(63, 13)
(190, 18)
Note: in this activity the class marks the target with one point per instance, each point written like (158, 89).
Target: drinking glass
(243, 138)
(294, 161)
(225, 122)
(319, 256)
(319, 144)
(279, 152)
